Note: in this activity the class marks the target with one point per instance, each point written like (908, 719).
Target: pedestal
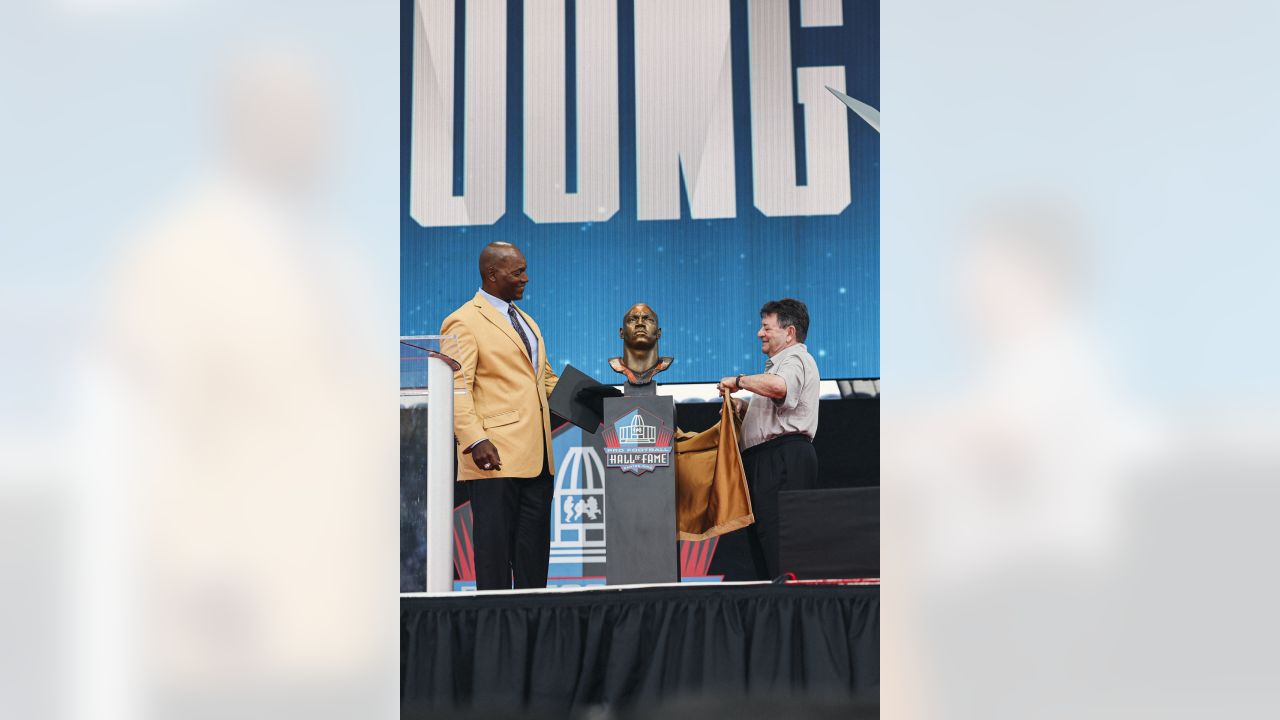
(640, 489)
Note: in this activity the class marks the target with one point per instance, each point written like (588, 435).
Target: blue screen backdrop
(705, 278)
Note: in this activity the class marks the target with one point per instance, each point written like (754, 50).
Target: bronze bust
(640, 334)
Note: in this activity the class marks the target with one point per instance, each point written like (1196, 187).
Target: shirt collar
(495, 301)
(782, 354)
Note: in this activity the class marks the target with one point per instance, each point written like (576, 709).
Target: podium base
(640, 507)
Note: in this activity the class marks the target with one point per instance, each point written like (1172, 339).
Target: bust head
(640, 331)
(640, 334)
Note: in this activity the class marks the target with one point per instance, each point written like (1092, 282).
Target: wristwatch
(738, 381)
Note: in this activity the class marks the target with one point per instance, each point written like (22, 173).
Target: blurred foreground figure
(1004, 515)
(1036, 440)
(244, 430)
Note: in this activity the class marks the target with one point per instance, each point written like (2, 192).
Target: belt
(779, 440)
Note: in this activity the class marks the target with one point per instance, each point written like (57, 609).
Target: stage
(555, 652)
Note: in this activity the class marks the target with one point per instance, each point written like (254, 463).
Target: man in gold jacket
(503, 425)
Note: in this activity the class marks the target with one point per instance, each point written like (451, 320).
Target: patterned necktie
(515, 323)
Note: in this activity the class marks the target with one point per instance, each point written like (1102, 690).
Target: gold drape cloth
(711, 487)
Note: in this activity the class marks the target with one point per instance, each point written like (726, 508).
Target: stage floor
(563, 650)
(606, 588)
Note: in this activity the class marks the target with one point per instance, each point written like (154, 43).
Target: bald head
(503, 271)
(640, 327)
(640, 309)
(494, 254)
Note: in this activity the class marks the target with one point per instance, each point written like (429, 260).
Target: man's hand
(485, 456)
(728, 383)
(738, 405)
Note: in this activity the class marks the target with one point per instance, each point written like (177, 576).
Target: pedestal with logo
(638, 446)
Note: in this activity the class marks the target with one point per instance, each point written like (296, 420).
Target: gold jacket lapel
(503, 323)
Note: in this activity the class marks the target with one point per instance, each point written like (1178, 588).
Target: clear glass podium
(427, 449)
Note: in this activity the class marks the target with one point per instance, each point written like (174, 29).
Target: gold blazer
(502, 399)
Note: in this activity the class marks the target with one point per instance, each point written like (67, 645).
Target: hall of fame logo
(637, 443)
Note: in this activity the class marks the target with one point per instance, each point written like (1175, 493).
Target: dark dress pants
(511, 524)
(783, 463)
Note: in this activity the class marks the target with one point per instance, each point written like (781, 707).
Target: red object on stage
(695, 556)
(464, 563)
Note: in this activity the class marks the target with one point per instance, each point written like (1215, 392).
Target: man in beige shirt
(778, 424)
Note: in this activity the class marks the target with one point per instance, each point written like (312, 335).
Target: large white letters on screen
(546, 198)
(773, 141)
(683, 112)
(431, 199)
(684, 108)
